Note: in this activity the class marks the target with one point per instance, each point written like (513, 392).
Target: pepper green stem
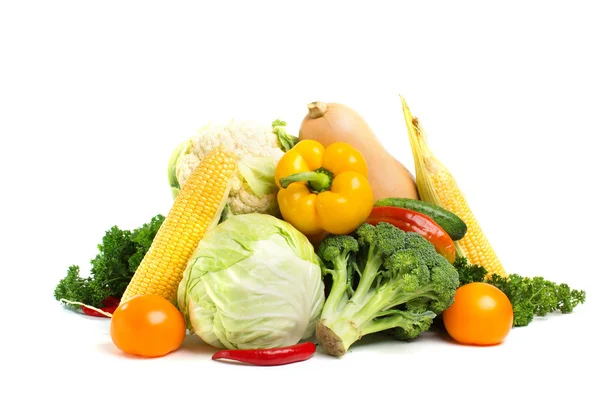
(317, 181)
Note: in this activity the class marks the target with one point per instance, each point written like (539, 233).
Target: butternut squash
(333, 122)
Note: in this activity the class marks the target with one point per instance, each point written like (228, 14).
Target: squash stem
(317, 109)
(317, 181)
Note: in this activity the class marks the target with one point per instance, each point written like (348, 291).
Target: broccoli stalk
(383, 279)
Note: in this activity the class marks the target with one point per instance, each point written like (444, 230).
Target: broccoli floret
(411, 324)
(336, 249)
(402, 285)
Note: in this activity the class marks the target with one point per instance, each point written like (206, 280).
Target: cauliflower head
(258, 147)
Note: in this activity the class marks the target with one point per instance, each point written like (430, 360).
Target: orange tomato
(480, 315)
(147, 326)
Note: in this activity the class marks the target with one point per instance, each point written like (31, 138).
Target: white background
(95, 95)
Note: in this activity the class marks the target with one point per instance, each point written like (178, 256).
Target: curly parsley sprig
(119, 256)
(529, 297)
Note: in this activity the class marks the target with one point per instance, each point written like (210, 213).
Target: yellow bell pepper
(323, 190)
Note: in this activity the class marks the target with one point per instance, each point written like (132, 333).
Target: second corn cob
(195, 210)
(436, 185)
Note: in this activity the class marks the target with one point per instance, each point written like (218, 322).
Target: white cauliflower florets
(253, 143)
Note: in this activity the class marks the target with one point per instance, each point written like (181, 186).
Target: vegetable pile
(277, 247)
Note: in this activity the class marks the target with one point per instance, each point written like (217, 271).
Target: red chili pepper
(276, 356)
(110, 304)
(413, 221)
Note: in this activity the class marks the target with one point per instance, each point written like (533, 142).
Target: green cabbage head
(254, 281)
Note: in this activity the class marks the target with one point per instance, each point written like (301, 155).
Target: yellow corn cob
(436, 185)
(195, 211)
